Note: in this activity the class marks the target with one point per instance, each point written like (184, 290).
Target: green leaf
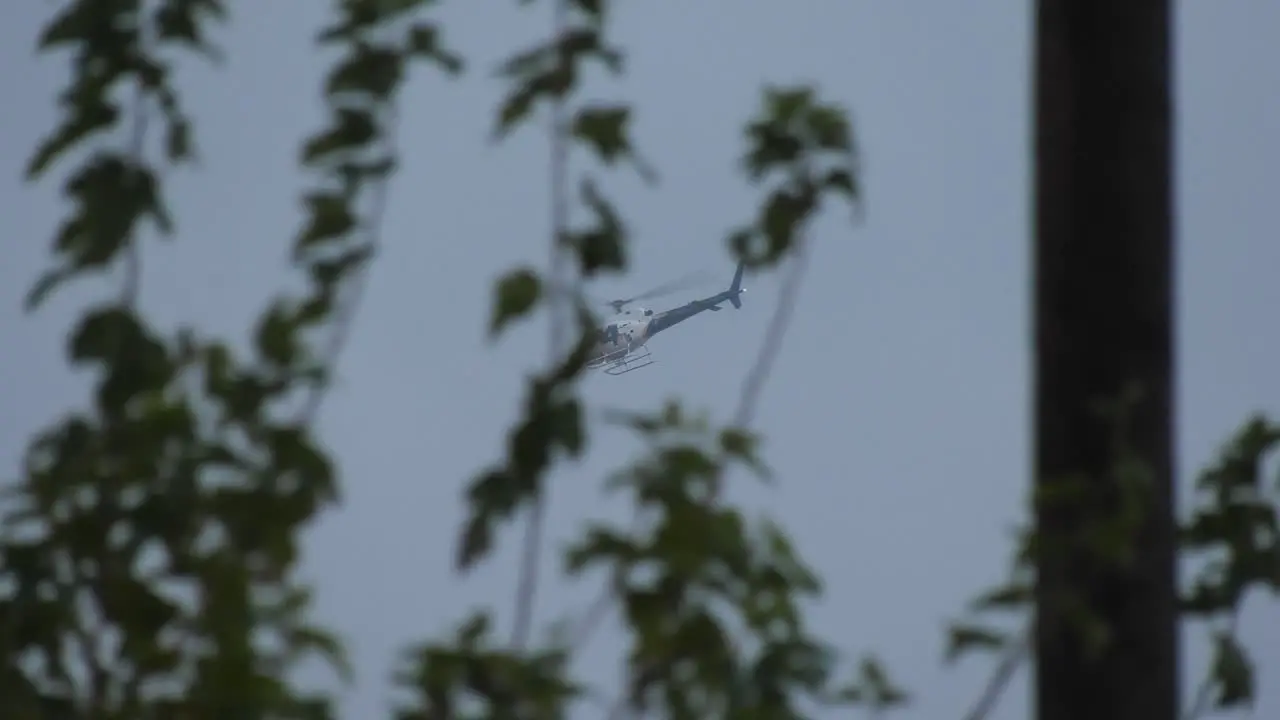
(740, 444)
(743, 246)
(89, 112)
(111, 194)
(1232, 672)
(601, 544)
(491, 497)
(517, 294)
(963, 638)
(329, 216)
(72, 25)
(367, 71)
(829, 128)
(293, 451)
(350, 129)
(601, 247)
(549, 71)
(359, 18)
(515, 108)
(737, 442)
(784, 212)
(787, 105)
(424, 41)
(872, 688)
(841, 180)
(387, 12)
(102, 333)
(328, 272)
(275, 336)
(605, 130)
(178, 139)
(45, 285)
(307, 638)
(1008, 597)
(569, 431)
(786, 562)
(593, 9)
(769, 148)
(184, 21)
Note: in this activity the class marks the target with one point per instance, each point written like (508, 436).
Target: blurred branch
(527, 587)
(1200, 706)
(131, 287)
(748, 401)
(1014, 654)
(345, 314)
(753, 386)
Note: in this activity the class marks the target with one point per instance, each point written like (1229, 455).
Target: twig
(136, 149)
(748, 401)
(594, 616)
(527, 588)
(349, 305)
(1204, 693)
(86, 642)
(753, 386)
(1009, 664)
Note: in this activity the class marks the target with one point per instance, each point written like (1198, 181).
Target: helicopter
(621, 343)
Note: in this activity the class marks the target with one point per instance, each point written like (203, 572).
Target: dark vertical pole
(1104, 319)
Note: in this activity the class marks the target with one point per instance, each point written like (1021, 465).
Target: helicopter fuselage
(617, 338)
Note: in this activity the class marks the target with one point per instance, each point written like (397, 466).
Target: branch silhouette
(748, 402)
(345, 313)
(527, 585)
(1008, 666)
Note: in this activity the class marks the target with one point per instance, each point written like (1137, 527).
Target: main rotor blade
(681, 283)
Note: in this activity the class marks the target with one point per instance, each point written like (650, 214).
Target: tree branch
(349, 305)
(527, 587)
(1204, 693)
(136, 150)
(743, 416)
(1015, 653)
(753, 386)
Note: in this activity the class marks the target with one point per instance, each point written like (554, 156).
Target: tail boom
(736, 289)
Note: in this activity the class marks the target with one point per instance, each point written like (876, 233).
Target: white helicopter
(620, 343)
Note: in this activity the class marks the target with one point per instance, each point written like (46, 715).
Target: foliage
(147, 552)
(1234, 528)
(1231, 533)
(167, 513)
(710, 600)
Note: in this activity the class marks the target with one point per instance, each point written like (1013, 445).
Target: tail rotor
(736, 289)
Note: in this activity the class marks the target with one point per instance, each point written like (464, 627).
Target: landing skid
(629, 363)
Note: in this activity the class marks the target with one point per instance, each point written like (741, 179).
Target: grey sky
(897, 415)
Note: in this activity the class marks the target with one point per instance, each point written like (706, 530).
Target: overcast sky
(897, 415)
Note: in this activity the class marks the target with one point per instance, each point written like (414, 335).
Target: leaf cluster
(712, 599)
(1231, 533)
(806, 147)
(148, 551)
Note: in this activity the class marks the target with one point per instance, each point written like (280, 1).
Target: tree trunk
(1104, 319)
